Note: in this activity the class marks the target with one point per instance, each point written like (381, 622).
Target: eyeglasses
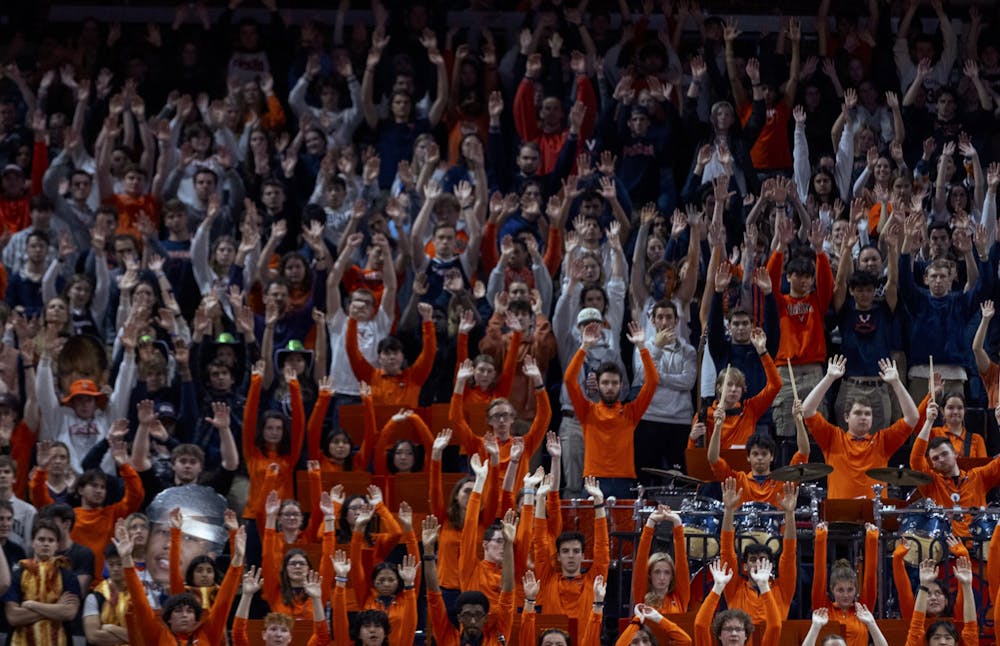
(733, 629)
(471, 615)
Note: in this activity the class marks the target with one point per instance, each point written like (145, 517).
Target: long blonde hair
(652, 598)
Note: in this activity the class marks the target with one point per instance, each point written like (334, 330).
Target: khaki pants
(806, 378)
(571, 437)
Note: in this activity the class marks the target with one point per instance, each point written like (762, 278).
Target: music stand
(698, 466)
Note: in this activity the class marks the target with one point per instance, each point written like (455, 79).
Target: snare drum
(981, 530)
(702, 518)
(927, 527)
(757, 522)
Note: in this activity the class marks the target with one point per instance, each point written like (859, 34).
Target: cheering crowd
(335, 317)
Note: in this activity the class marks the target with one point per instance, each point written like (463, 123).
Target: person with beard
(477, 626)
(609, 425)
(182, 619)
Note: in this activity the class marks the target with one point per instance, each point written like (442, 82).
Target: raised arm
(834, 370)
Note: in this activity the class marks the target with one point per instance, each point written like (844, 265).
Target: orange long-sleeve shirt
(258, 461)
(755, 488)
(904, 593)
(320, 635)
(476, 573)
(857, 632)
(450, 539)
(676, 601)
(562, 595)
(272, 556)
(388, 436)
(740, 425)
(499, 621)
(608, 430)
(970, 486)
(977, 446)
(541, 345)
(209, 631)
(472, 443)
(803, 338)
(396, 390)
(772, 618)
(476, 395)
(665, 631)
(850, 457)
(916, 637)
(740, 592)
(94, 527)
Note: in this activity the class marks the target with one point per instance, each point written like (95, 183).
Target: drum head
(702, 545)
(924, 547)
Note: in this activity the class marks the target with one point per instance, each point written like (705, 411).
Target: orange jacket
(676, 601)
(258, 461)
(396, 390)
(851, 457)
(608, 431)
(94, 527)
(971, 487)
(740, 592)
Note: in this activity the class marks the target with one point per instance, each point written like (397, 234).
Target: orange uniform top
(857, 632)
(803, 338)
(901, 577)
(402, 607)
(94, 527)
(850, 457)
(755, 488)
(741, 423)
(916, 636)
(258, 461)
(320, 635)
(977, 445)
(772, 618)
(740, 592)
(272, 556)
(970, 486)
(562, 595)
(396, 390)
(608, 430)
(675, 601)
(472, 443)
(210, 629)
(498, 623)
(450, 539)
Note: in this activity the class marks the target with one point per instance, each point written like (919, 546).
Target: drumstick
(791, 378)
(725, 387)
(930, 381)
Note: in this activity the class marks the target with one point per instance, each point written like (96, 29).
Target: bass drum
(702, 518)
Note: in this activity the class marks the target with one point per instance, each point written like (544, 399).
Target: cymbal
(899, 476)
(673, 474)
(801, 472)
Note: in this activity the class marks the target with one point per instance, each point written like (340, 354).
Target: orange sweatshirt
(94, 527)
(741, 424)
(562, 595)
(395, 390)
(258, 461)
(915, 637)
(904, 593)
(665, 631)
(772, 619)
(209, 631)
(498, 623)
(740, 593)
(450, 540)
(850, 457)
(970, 486)
(857, 631)
(608, 430)
(675, 601)
(320, 635)
(755, 489)
(476, 395)
(390, 432)
(472, 443)
(803, 338)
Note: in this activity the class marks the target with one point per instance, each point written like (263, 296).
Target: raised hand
(759, 340)
(342, 564)
(479, 467)
(820, 617)
(531, 585)
(721, 573)
(636, 334)
(929, 571)
(862, 612)
(836, 366)
(429, 529)
(593, 487)
(313, 586)
(252, 582)
(888, 371)
(761, 573)
(374, 495)
(408, 570)
(731, 495)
